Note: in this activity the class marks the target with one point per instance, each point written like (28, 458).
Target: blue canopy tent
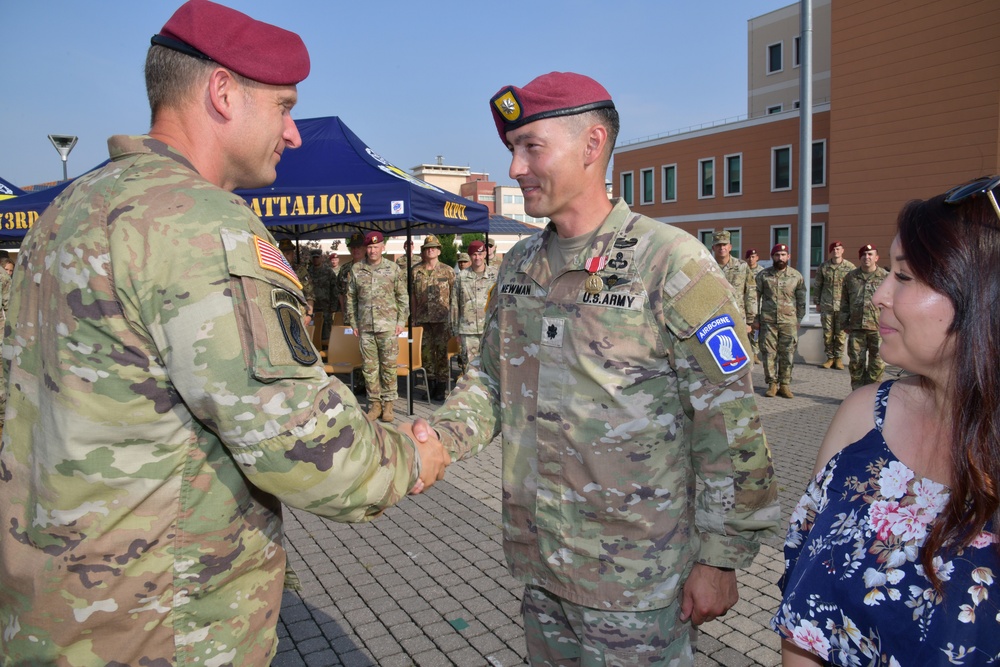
(8, 189)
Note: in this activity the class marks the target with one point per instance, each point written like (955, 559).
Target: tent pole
(407, 250)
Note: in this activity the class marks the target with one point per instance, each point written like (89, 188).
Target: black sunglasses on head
(980, 186)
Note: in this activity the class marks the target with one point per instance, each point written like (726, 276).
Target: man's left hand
(708, 593)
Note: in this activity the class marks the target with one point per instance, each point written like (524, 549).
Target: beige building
(913, 108)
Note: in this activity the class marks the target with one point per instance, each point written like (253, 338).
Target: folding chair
(454, 349)
(317, 333)
(343, 353)
(405, 365)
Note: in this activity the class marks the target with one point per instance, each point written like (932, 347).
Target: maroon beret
(477, 246)
(835, 244)
(251, 48)
(751, 251)
(371, 238)
(550, 95)
(779, 247)
(865, 248)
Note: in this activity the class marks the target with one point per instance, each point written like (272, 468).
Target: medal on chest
(594, 283)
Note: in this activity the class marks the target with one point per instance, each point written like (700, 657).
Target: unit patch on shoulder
(270, 258)
(295, 333)
(719, 335)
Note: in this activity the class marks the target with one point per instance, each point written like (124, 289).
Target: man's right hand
(434, 458)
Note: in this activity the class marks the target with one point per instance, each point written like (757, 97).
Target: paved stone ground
(425, 584)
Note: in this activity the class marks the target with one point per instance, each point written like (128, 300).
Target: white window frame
(822, 247)
(701, 175)
(774, 237)
(630, 197)
(663, 184)
(823, 184)
(708, 240)
(725, 162)
(642, 187)
(736, 251)
(791, 170)
(767, 56)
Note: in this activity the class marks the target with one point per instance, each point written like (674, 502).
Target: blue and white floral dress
(854, 591)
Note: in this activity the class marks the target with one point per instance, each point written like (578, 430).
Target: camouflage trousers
(562, 634)
(379, 352)
(470, 348)
(834, 335)
(865, 363)
(435, 349)
(778, 342)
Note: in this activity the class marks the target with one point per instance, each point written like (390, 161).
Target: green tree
(449, 253)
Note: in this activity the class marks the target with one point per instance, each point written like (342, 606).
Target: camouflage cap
(491, 242)
(464, 257)
(720, 237)
(357, 239)
(431, 242)
(285, 245)
(317, 252)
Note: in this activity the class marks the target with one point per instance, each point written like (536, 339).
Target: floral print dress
(854, 591)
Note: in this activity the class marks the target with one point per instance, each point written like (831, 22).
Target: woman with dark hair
(892, 555)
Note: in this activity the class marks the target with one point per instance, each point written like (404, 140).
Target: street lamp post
(64, 144)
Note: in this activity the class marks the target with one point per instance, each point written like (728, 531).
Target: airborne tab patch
(719, 335)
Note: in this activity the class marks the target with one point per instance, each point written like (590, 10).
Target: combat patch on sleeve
(719, 336)
(294, 331)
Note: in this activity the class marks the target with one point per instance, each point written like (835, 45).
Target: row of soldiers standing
(773, 303)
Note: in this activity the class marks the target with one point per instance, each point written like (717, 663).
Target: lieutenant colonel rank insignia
(719, 335)
(508, 106)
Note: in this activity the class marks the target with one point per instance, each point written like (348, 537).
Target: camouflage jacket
(740, 276)
(163, 404)
(468, 300)
(301, 268)
(432, 293)
(324, 284)
(830, 285)
(414, 260)
(376, 297)
(610, 409)
(4, 297)
(858, 306)
(782, 296)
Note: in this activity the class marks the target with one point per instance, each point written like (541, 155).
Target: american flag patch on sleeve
(270, 258)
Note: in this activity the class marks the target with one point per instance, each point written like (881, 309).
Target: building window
(627, 193)
(518, 199)
(735, 240)
(486, 198)
(777, 108)
(795, 104)
(707, 237)
(774, 59)
(796, 52)
(647, 186)
(819, 163)
(781, 168)
(817, 242)
(508, 199)
(670, 183)
(734, 175)
(782, 234)
(706, 178)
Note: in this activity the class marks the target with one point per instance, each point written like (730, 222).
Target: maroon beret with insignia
(835, 244)
(251, 48)
(751, 251)
(550, 95)
(779, 247)
(477, 246)
(371, 238)
(865, 248)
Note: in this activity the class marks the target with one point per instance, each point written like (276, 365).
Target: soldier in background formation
(165, 402)
(355, 246)
(738, 274)
(462, 263)
(751, 258)
(432, 286)
(325, 286)
(401, 260)
(301, 267)
(828, 296)
(782, 292)
(860, 317)
(614, 364)
(468, 302)
(377, 309)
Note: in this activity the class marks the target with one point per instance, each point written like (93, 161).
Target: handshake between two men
(434, 458)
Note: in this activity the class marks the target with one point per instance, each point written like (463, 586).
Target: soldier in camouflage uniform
(468, 301)
(356, 246)
(828, 295)
(755, 268)
(301, 267)
(738, 273)
(5, 282)
(164, 402)
(324, 285)
(401, 260)
(782, 292)
(860, 316)
(614, 365)
(377, 309)
(432, 286)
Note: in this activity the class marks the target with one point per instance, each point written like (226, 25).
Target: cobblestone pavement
(426, 584)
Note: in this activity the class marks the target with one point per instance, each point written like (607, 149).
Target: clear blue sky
(412, 79)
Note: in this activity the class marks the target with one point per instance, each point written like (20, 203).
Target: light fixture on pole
(64, 144)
